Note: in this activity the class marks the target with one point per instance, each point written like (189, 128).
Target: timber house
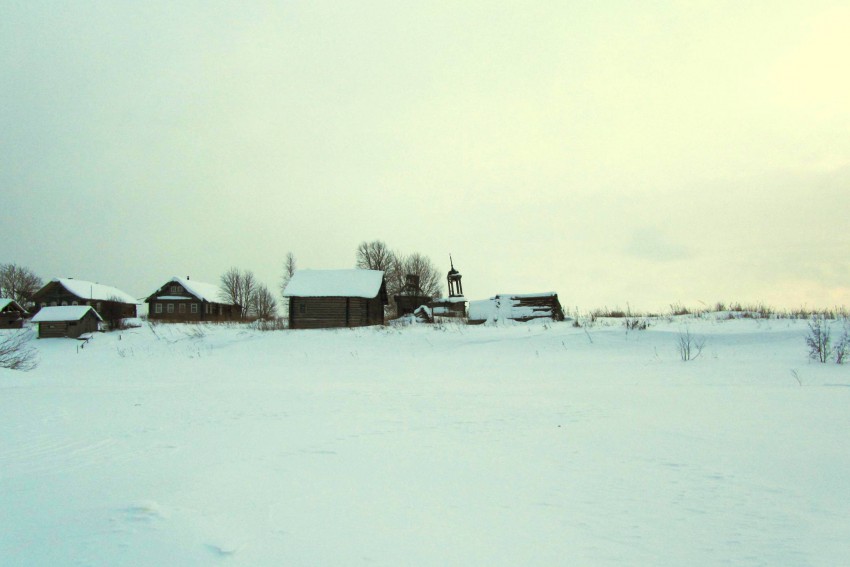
(69, 291)
(12, 315)
(183, 299)
(320, 299)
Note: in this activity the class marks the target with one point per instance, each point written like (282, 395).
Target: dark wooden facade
(328, 312)
(12, 315)
(87, 323)
(179, 301)
(55, 294)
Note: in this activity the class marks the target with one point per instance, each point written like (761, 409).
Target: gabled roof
(95, 291)
(6, 302)
(335, 283)
(64, 313)
(203, 291)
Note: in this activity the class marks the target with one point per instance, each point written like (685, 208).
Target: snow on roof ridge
(335, 283)
(206, 291)
(5, 302)
(64, 313)
(93, 290)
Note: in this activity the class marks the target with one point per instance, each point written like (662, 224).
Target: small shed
(66, 321)
(12, 315)
(516, 307)
(321, 299)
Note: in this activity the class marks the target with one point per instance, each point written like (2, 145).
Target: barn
(70, 291)
(66, 321)
(12, 315)
(185, 299)
(320, 299)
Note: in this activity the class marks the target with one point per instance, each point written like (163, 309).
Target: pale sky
(640, 153)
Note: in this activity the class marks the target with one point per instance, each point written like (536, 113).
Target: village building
(70, 291)
(410, 297)
(12, 315)
(321, 299)
(66, 321)
(455, 305)
(185, 299)
(516, 307)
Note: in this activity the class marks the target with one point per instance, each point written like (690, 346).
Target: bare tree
(265, 305)
(289, 269)
(238, 286)
(15, 352)
(376, 255)
(430, 280)
(18, 283)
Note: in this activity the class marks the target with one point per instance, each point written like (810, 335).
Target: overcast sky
(640, 153)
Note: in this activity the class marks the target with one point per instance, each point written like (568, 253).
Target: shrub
(818, 340)
(635, 324)
(689, 346)
(15, 352)
(841, 352)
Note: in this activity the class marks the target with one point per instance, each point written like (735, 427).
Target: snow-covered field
(521, 445)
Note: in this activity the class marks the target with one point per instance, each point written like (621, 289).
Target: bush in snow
(15, 352)
(818, 340)
(689, 346)
(841, 351)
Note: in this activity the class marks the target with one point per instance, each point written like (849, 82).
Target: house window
(74, 303)
(182, 308)
(157, 307)
(64, 303)
(194, 308)
(175, 289)
(98, 305)
(302, 308)
(170, 308)
(44, 304)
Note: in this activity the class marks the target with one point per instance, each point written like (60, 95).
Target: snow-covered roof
(64, 313)
(205, 291)
(505, 307)
(335, 283)
(5, 302)
(91, 290)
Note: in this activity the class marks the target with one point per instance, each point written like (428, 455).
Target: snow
(63, 313)
(335, 283)
(427, 445)
(173, 297)
(204, 291)
(504, 308)
(95, 291)
(5, 302)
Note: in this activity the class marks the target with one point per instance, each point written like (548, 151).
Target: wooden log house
(66, 321)
(516, 307)
(320, 299)
(12, 315)
(70, 291)
(184, 299)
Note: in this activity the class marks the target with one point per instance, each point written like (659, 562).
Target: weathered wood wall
(330, 312)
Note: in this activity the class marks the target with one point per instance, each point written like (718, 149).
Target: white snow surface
(5, 302)
(63, 313)
(96, 291)
(335, 283)
(437, 445)
(503, 308)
